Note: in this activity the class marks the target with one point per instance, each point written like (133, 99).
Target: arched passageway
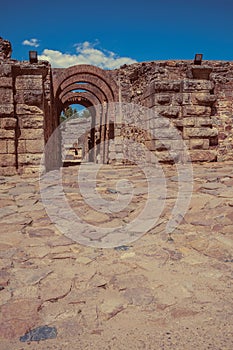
(92, 88)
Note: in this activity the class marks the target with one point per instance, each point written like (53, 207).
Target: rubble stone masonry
(26, 118)
(196, 99)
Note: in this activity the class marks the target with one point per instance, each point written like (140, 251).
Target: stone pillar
(8, 122)
(164, 124)
(223, 119)
(103, 120)
(197, 115)
(7, 113)
(30, 113)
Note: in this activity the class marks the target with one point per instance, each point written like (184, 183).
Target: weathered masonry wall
(26, 118)
(25, 112)
(196, 100)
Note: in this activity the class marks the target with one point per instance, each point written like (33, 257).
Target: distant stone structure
(5, 48)
(196, 99)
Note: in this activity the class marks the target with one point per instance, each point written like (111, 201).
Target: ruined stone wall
(24, 114)
(26, 118)
(222, 76)
(197, 100)
(8, 121)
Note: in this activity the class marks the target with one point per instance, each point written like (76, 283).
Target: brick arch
(102, 89)
(99, 89)
(89, 74)
(84, 98)
(87, 87)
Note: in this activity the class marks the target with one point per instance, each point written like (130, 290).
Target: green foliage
(70, 112)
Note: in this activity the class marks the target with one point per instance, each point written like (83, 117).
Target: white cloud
(31, 42)
(86, 53)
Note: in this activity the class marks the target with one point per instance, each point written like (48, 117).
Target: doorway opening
(77, 134)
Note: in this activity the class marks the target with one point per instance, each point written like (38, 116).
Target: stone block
(6, 109)
(21, 146)
(5, 70)
(25, 109)
(167, 157)
(8, 123)
(29, 97)
(195, 110)
(164, 99)
(189, 85)
(35, 146)
(11, 146)
(203, 99)
(203, 155)
(166, 134)
(6, 82)
(3, 146)
(201, 72)
(189, 121)
(199, 144)
(33, 159)
(8, 170)
(204, 122)
(31, 121)
(199, 133)
(7, 134)
(7, 160)
(5, 49)
(31, 134)
(29, 82)
(6, 96)
(168, 111)
(167, 85)
(32, 169)
(178, 123)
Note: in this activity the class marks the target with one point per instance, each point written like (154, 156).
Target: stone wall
(222, 76)
(195, 100)
(8, 121)
(198, 100)
(25, 114)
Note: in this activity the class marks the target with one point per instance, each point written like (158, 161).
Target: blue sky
(109, 34)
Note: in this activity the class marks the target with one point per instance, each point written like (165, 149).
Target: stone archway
(89, 86)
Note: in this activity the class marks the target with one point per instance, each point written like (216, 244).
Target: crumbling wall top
(5, 49)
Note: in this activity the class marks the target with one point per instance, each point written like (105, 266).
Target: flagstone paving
(159, 291)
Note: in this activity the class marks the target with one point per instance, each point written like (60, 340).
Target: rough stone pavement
(161, 293)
